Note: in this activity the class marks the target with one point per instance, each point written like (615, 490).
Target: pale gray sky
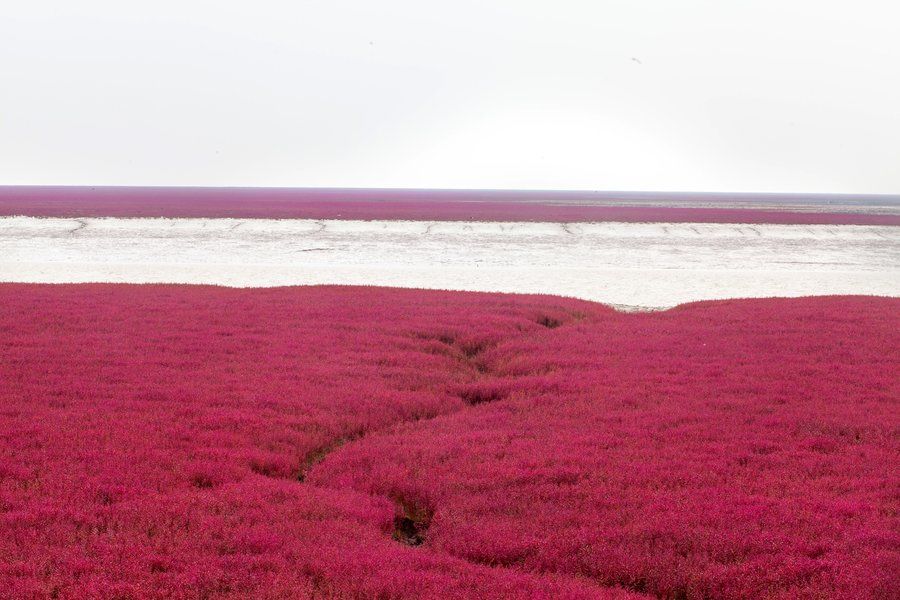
(761, 95)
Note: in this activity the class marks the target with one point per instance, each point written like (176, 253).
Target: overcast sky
(794, 96)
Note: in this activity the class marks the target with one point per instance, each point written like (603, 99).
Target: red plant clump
(202, 442)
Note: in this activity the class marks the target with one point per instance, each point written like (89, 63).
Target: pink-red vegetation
(200, 442)
(445, 205)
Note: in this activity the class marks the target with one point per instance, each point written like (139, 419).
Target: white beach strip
(648, 265)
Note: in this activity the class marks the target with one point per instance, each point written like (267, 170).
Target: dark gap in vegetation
(201, 481)
(549, 322)
(157, 566)
(411, 524)
(480, 395)
(639, 585)
(816, 552)
(318, 455)
(407, 532)
(267, 469)
(472, 349)
(481, 367)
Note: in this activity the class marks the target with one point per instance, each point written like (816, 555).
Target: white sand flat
(645, 265)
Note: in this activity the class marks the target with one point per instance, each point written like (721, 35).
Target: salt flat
(640, 265)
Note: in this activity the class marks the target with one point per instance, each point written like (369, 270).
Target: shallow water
(646, 265)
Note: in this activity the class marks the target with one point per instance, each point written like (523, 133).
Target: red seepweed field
(203, 442)
(447, 205)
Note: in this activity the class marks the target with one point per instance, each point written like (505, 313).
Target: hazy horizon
(496, 193)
